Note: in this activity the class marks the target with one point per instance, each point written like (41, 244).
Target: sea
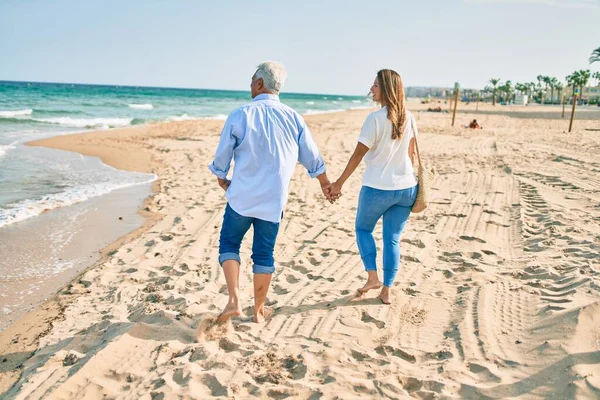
(60, 193)
(33, 181)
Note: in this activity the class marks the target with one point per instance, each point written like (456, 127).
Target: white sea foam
(141, 106)
(15, 113)
(356, 101)
(87, 122)
(323, 111)
(4, 149)
(185, 117)
(33, 207)
(310, 102)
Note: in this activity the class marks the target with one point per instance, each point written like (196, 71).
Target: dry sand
(498, 294)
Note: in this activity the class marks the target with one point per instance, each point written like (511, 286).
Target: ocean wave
(323, 111)
(4, 149)
(356, 101)
(310, 102)
(15, 113)
(33, 207)
(141, 106)
(87, 122)
(185, 117)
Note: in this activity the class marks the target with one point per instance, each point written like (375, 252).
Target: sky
(328, 46)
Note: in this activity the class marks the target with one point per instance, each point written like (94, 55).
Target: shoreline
(22, 336)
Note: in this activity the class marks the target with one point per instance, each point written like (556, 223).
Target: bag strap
(415, 132)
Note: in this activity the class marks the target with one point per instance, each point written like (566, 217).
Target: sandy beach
(498, 293)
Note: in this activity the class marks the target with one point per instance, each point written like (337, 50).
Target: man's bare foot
(262, 314)
(385, 295)
(370, 285)
(230, 311)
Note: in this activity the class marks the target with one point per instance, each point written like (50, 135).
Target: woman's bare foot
(262, 314)
(385, 295)
(232, 309)
(370, 285)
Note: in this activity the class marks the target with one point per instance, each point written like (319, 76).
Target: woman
(386, 142)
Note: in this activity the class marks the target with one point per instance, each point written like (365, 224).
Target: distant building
(589, 93)
(521, 99)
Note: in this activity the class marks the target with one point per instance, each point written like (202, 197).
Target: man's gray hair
(273, 75)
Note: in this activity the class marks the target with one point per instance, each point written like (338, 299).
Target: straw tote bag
(425, 176)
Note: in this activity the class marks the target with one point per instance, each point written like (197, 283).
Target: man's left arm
(224, 154)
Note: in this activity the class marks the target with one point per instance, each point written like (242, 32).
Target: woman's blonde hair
(392, 96)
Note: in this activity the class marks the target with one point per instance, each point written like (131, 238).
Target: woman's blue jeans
(394, 206)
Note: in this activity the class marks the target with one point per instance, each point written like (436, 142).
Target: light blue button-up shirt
(266, 139)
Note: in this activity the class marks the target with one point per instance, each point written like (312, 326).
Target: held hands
(224, 183)
(326, 187)
(331, 191)
(335, 191)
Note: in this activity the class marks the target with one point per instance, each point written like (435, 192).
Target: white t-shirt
(388, 166)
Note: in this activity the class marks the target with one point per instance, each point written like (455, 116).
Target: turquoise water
(35, 180)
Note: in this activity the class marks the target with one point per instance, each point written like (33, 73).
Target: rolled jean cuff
(262, 269)
(229, 256)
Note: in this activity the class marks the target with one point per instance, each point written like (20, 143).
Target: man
(266, 139)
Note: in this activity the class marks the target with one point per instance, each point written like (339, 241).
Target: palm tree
(542, 79)
(531, 89)
(507, 89)
(584, 79)
(595, 77)
(494, 82)
(573, 80)
(521, 88)
(552, 82)
(595, 56)
(486, 91)
(559, 87)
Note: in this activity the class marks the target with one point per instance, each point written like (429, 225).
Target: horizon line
(208, 89)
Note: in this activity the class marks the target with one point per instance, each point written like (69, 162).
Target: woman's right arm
(353, 163)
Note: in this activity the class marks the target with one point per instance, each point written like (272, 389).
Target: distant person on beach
(474, 125)
(389, 185)
(266, 139)
(435, 109)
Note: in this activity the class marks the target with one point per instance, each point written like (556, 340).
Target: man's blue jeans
(233, 230)
(394, 206)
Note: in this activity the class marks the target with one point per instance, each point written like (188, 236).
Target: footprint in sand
(208, 329)
(291, 279)
(280, 290)
(392, 351)
(414, 242)
(472, 239)
(367, 318)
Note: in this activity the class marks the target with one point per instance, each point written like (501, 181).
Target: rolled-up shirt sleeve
(224, 154)
(308, 153)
